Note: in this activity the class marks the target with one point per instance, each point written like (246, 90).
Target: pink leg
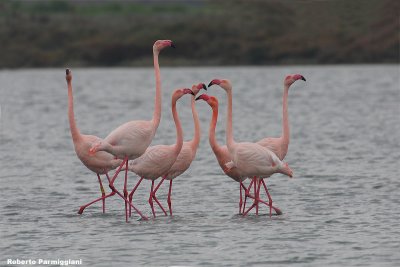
(155, 198)
(253, 182)
(278, 211)
(240, 199)
(126, 191)
(94, 201)
(169, 197)
(112, 187)
(247, 192)
(103, 193)
(131, 195)
(258, 195)
(151, 199)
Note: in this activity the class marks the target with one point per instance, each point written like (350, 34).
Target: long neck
(179, 133)
(285, 118)
(229, 131)
(211, 132)
(157, 102)
(196, 138)
(76, 135)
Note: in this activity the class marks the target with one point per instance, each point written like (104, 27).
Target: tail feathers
(229, 165)
(285, 169)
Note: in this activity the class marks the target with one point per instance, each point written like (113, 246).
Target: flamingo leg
(126, 191)
(156, 199)
(169, 197)
(103, 193)
(247, 192)
(94, 201)
(278, 211)
(112, 187)
(258, 196)
(131, 195)
(240, 199)
(151, 198)
(253, 182)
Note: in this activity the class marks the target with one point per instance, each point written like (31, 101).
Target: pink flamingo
(222, 153)
(250, 159)
(188, 151)
(102, 162)
(280, 144)
(157, 160)
(130, 140)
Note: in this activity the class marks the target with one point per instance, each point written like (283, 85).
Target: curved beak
(204, 86)
(188, 91)
(215, 81)
(203, 96)
(172, 45)
(302, 77)
(67, 71)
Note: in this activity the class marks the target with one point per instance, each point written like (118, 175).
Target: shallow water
(341, 208)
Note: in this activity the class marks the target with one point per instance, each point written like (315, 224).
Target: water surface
(340, 209)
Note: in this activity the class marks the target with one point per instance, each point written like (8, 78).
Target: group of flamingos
(127, 148)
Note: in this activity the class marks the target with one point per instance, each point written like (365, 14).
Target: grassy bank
(105, 33)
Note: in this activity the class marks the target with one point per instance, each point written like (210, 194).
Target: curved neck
(157, 102)
(211, 132)
(229, 131)
(76, 135)
(179, 133)
(285, 118)
(196, 138)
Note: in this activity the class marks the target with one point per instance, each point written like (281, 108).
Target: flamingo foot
(82, 208)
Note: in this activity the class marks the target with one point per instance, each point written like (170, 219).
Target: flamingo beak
(67, 71)
(204, 86)
(302, 77)
(188, 91)
(172, 45)
(215, 81)
(203, 97)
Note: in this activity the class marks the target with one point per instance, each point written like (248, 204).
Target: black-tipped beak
(192, 92)
(204, 86)
(304, 79)
(197, 98)
(172, 45)
(211, 83)
(67, 71)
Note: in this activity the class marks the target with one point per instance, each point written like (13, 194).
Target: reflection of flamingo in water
(250, 159)
(102, 162)
(188, 151)
(130, 140)
(157, 160)
(222, 153)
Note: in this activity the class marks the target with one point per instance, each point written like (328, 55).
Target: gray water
(340, 209)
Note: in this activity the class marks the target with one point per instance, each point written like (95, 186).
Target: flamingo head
(161, 44)
(290, 79)
(198, 87)
(181, 92)
(211, 100)
(224, 84)
(68, 75)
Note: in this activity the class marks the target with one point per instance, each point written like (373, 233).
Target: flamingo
(280, 144)
(188, 151)
(102, 162)
(221, 152)
(130, 140)
(157, 160)
(250, 159)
